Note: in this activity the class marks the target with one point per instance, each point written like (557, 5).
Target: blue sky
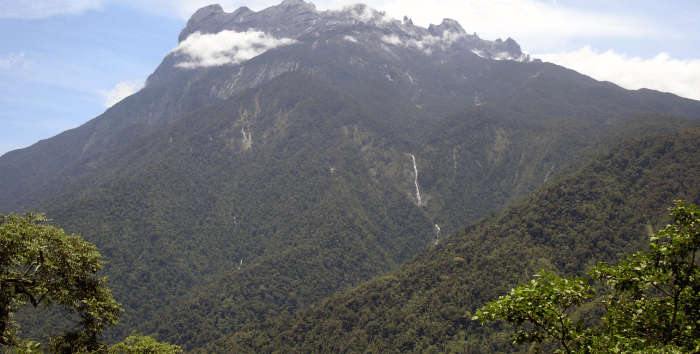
(63, 62)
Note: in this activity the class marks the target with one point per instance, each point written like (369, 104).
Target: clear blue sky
(63, 62)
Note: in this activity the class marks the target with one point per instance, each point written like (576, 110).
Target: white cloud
(120, 91)
(539, 25)
(225, 47)
(183, 9)
(45, 8)
(363, 13)
(427, 44)
(661, 72)
(391, 39)
(359, 12)
(536, 24)
(13, 61)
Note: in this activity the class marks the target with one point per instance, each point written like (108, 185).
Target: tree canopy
(601, 212)
(41, 265)
(138, 344)
(651, 300)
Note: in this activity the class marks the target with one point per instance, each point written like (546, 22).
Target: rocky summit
(275, 158)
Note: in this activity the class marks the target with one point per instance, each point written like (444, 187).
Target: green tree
(41, 265)
(544, 304)
(138, 344)
(651, 299)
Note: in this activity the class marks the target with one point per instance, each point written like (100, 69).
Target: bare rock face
(285, 19)
(356, 36)
(302, 21)
(448, 25)
(206, 17)
(204, 13)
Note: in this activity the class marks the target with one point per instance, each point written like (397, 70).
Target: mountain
(276, 157)
(400, 70)
(603, 211)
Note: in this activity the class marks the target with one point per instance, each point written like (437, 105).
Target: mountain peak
(205, 12)
(290, 3)
(291, 8)
(512, 45)
(243, 10)
(447, 24)
(299, 21)
(202, 16)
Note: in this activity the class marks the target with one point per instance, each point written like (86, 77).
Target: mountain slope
(402, 71)
(222, 194)
(601, 212)
(198, 199)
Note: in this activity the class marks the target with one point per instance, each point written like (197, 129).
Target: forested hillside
(194, 203)
(231, 194)
(601, 212)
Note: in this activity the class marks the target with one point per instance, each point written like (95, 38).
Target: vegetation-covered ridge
(225, 195)
(203, 232)
(285, 193)
(650, 302)
(599, 213)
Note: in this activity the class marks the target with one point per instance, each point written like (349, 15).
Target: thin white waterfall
(437, 233)
(415, 180)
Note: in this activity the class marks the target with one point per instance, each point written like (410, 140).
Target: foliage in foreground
(138, 344)
(651, 299)
(41, 265)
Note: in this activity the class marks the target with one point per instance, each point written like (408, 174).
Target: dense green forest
(599, 213)
(204, 232)
(192, 206)
(649, 302)
(234, 199)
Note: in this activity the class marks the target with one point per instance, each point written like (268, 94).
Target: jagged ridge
(300, 20)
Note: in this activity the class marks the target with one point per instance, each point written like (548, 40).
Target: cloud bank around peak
(225, 47)
(427, 44)
(120, 91)
(538, 24)
(661, 72)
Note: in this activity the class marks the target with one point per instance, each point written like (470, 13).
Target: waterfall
(437, 233)
(415, 180)
(247, 143)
